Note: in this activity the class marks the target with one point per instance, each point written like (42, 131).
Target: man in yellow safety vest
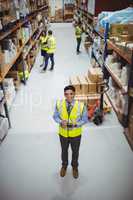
(44, 46)
(51, 50)
(70, 115)
(78, 34)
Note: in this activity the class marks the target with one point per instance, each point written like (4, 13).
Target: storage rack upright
(128, 90)
(18, 24)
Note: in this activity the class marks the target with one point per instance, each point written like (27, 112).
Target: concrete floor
(30, 154)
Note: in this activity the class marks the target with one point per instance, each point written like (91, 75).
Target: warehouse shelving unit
(124, 119)
(120, 52)
(30, 41)
(125, 90)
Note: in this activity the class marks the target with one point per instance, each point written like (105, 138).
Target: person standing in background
(51, 44)
(71, 115)
(44, 46)
(78, 34)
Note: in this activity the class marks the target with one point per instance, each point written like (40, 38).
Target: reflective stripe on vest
(78, 32)
(75, 114)
(21, 74)
(44, 45)
(51, 44)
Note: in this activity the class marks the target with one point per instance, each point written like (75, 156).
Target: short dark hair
(69, 87)
(44, 32)
(50, 32)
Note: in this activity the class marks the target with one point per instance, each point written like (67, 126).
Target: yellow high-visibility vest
(44, 45)
(21, 74)
(51, 45)
(75, 114)
(78, 32)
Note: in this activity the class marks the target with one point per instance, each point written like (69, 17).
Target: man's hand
(64, 124)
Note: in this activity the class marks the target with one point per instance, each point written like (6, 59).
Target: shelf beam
(20, 24)
(9, 66)
(121, 52)
(116, 79)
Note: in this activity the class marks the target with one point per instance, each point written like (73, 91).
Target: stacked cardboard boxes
(120, 29)
(95, 75)
(68, 12)
(88, 84)
(92, 89)
(75, 82)
(88, 87)
(83, 85)
(58, 15)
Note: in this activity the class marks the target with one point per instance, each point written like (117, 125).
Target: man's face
(69, 95)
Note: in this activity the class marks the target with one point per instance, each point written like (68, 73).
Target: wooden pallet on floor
(92, 99)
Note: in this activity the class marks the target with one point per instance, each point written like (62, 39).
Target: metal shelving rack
(108, 72)
(125, 90)
(3, 35)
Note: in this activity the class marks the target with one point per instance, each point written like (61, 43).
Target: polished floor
(30, 154)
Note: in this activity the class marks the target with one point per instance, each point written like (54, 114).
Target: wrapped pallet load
(3, 127)
(9, 91)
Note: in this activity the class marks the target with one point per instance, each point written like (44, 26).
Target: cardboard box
(119, 29)
(92, 99)
(99, 74)
(92, 75)
(95, 74)
(2, 63)
(82, 98)
(13, 74)
(100, 87)
(88, 99)
(75, 82)
(83, 85)
(91, 86)
(126, 38)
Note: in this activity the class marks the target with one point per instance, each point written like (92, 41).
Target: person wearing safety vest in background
(51, 50)
(44, 46)
(78, 34)
(71, 115)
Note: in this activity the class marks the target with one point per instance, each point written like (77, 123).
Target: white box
(3, 127)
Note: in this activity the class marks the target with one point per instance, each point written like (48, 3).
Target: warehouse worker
(70, 115)
(51, 50)
(78, 34)
(44, 46)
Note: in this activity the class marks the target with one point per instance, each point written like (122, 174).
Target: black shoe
(43, 71)
(51, 68)
(78, 52)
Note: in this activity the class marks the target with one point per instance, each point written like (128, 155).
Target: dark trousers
(51, 56)
(78, 44)
(75, 144)
(43, 54)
